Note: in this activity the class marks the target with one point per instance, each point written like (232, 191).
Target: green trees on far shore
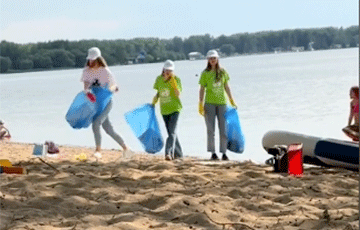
(72, 54)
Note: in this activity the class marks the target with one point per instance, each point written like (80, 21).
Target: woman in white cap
(168, 88)
(214, 84)
(97, 73)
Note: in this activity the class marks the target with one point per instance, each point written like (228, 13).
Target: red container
(295, 159)
(13, 170)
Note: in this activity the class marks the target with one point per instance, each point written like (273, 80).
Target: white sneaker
(98, 155)
(128, 153)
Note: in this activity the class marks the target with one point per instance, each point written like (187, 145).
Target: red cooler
(295, 159)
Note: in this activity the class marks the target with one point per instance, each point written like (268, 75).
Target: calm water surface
(306, 92)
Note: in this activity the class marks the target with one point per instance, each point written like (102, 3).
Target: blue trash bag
(236, 139)
(144, 124)
(81, 112)
(103, 96)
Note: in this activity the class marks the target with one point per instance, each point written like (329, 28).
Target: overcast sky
(25, 21)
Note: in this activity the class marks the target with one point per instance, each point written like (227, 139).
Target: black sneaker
(224, 157)
(214, 157)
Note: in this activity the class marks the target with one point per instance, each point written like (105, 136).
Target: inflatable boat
(318, 151)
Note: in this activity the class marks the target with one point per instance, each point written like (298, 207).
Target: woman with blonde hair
(214, 85)
(97, 74)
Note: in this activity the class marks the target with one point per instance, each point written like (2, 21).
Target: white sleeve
(111, 78)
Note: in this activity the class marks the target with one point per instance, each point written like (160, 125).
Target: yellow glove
(173, 82)
(155, 99)
(233, 104)
(201, 109)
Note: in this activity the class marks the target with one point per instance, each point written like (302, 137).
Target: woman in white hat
(214, 84)
(168, 88)
(96, 73)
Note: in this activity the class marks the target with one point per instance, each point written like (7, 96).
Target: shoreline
(144, 191)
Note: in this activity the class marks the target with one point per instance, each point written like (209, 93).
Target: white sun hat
(212, 53)
(93, 53)
(169, 65)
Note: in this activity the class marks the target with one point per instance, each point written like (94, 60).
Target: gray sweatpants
(212, 111)
(103, 119)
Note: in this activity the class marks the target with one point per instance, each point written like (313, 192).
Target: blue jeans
(172, 146)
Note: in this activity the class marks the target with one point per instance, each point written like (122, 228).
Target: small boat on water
(316, 150)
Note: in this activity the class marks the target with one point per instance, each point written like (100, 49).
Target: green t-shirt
(214, 91)
(169, 102)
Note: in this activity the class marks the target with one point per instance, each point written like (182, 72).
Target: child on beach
(214, 84)
(168, 88)
(96, 73)
(352, 130)
(4, 132)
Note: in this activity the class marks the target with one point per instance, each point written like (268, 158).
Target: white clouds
(58, 28)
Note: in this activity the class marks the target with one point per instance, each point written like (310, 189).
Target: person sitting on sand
(97, 73)
(4, 132)
(352, 130)
(168, 88)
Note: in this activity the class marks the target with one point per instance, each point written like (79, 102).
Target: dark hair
(355, 89)
(218, 71)
(100, 60)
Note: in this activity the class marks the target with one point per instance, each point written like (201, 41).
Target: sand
(146, 192)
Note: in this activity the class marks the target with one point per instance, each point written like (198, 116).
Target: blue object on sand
(236, 139)
(338, 153)
(144, 124)
(38, 150)
(81, 112)
(103, 96)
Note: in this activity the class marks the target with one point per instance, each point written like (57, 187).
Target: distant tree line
(72, 54)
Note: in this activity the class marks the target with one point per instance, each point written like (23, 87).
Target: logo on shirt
(217, 87)
(165, 96)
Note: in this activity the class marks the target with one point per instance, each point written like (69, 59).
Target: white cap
(169, 65)
(93, 53)
(212, 53)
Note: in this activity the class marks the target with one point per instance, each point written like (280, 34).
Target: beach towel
(144, 124)
(81, 112)
(236, 139)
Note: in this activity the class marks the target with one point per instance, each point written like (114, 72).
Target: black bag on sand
(280, 159)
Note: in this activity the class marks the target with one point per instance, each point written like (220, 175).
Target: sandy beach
(146, 192)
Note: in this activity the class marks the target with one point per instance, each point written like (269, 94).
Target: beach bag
(52, 148)
(236, 139)
(144, 124)
(103, 96)
(280, 159)
(81, 112)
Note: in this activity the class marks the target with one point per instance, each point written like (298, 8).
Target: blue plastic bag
(103, 97)
(81, 112)
(144, 124)
(236, 139)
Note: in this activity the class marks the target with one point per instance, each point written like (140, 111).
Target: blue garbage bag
(103, 96)
(81, 112)
(144, 124)
(236, 139)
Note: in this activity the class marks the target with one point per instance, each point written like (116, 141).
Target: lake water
(305, 92)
